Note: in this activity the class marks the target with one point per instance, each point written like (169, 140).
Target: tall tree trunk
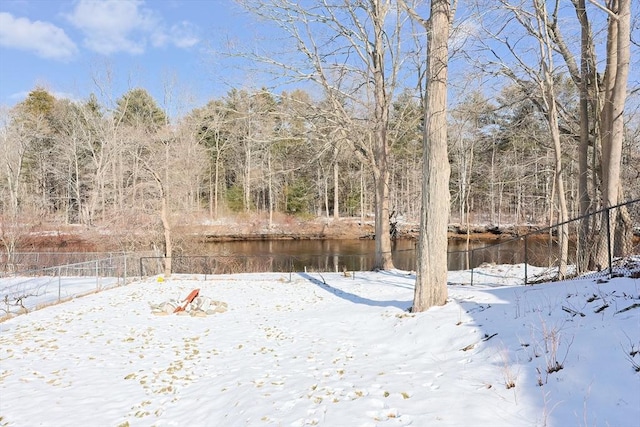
(587, 79)
(383, 259)
(431, 271)
(591, 116)
(549, 98)
(615, 82)
(618, 50)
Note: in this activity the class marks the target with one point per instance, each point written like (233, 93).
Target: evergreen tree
(137, 108)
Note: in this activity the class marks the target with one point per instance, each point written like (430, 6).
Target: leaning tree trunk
(549, 98)
(431, 271)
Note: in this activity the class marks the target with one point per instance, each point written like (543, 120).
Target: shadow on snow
(357, 299)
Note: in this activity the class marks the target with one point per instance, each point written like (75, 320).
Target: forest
(524, 143)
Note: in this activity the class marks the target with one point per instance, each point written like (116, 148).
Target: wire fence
(587, 244)
(25, 290)
(30, 280)
(539, 252)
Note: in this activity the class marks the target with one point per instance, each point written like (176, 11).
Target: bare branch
(605, 9)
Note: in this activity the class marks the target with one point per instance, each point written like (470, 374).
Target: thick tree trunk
(616, 76)
(383, 259)
(431, 271)
(618, 67)
(587, 79)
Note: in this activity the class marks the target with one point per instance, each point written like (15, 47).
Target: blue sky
(67, 46)
(64, 46)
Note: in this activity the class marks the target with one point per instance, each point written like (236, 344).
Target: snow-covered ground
(330, 350)
(20, 293)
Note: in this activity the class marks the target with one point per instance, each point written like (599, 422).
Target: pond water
(338, 255)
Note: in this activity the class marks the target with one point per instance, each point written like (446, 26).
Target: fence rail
(35, 279)
(618, 244)
(26, 290)
(539, 248)
(22, 262)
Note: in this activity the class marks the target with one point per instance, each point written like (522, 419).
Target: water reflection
(358, 255)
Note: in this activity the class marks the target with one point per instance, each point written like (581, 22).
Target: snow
(22, 292)
(331, 350)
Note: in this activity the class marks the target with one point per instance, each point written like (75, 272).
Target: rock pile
(200, 306)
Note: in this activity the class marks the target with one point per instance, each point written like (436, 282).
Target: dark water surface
(338, 255)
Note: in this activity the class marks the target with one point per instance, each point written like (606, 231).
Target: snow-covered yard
(20, 294)
(330, 350)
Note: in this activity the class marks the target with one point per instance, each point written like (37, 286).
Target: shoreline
(104, 239)
(100, 239)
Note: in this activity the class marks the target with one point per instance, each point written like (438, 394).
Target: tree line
(547, 143)
(77, 163)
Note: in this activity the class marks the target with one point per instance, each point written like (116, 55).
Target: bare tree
(211, 124)
(431, 271)
(532, 69)
(352, 50)
(601, 106)
(612, 122)
(602, 103)
(13, 147)
(615, 87)
(101, 146)
(587, 80)
(602, 100)
(550, 103)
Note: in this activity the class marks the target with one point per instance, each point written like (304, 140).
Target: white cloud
(112, 26)
(42, 38)
(184, 34)
(461, 34)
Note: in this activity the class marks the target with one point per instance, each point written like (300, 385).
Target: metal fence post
(526, 259)
(608, 219)
(472, 264)
(59, 284)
